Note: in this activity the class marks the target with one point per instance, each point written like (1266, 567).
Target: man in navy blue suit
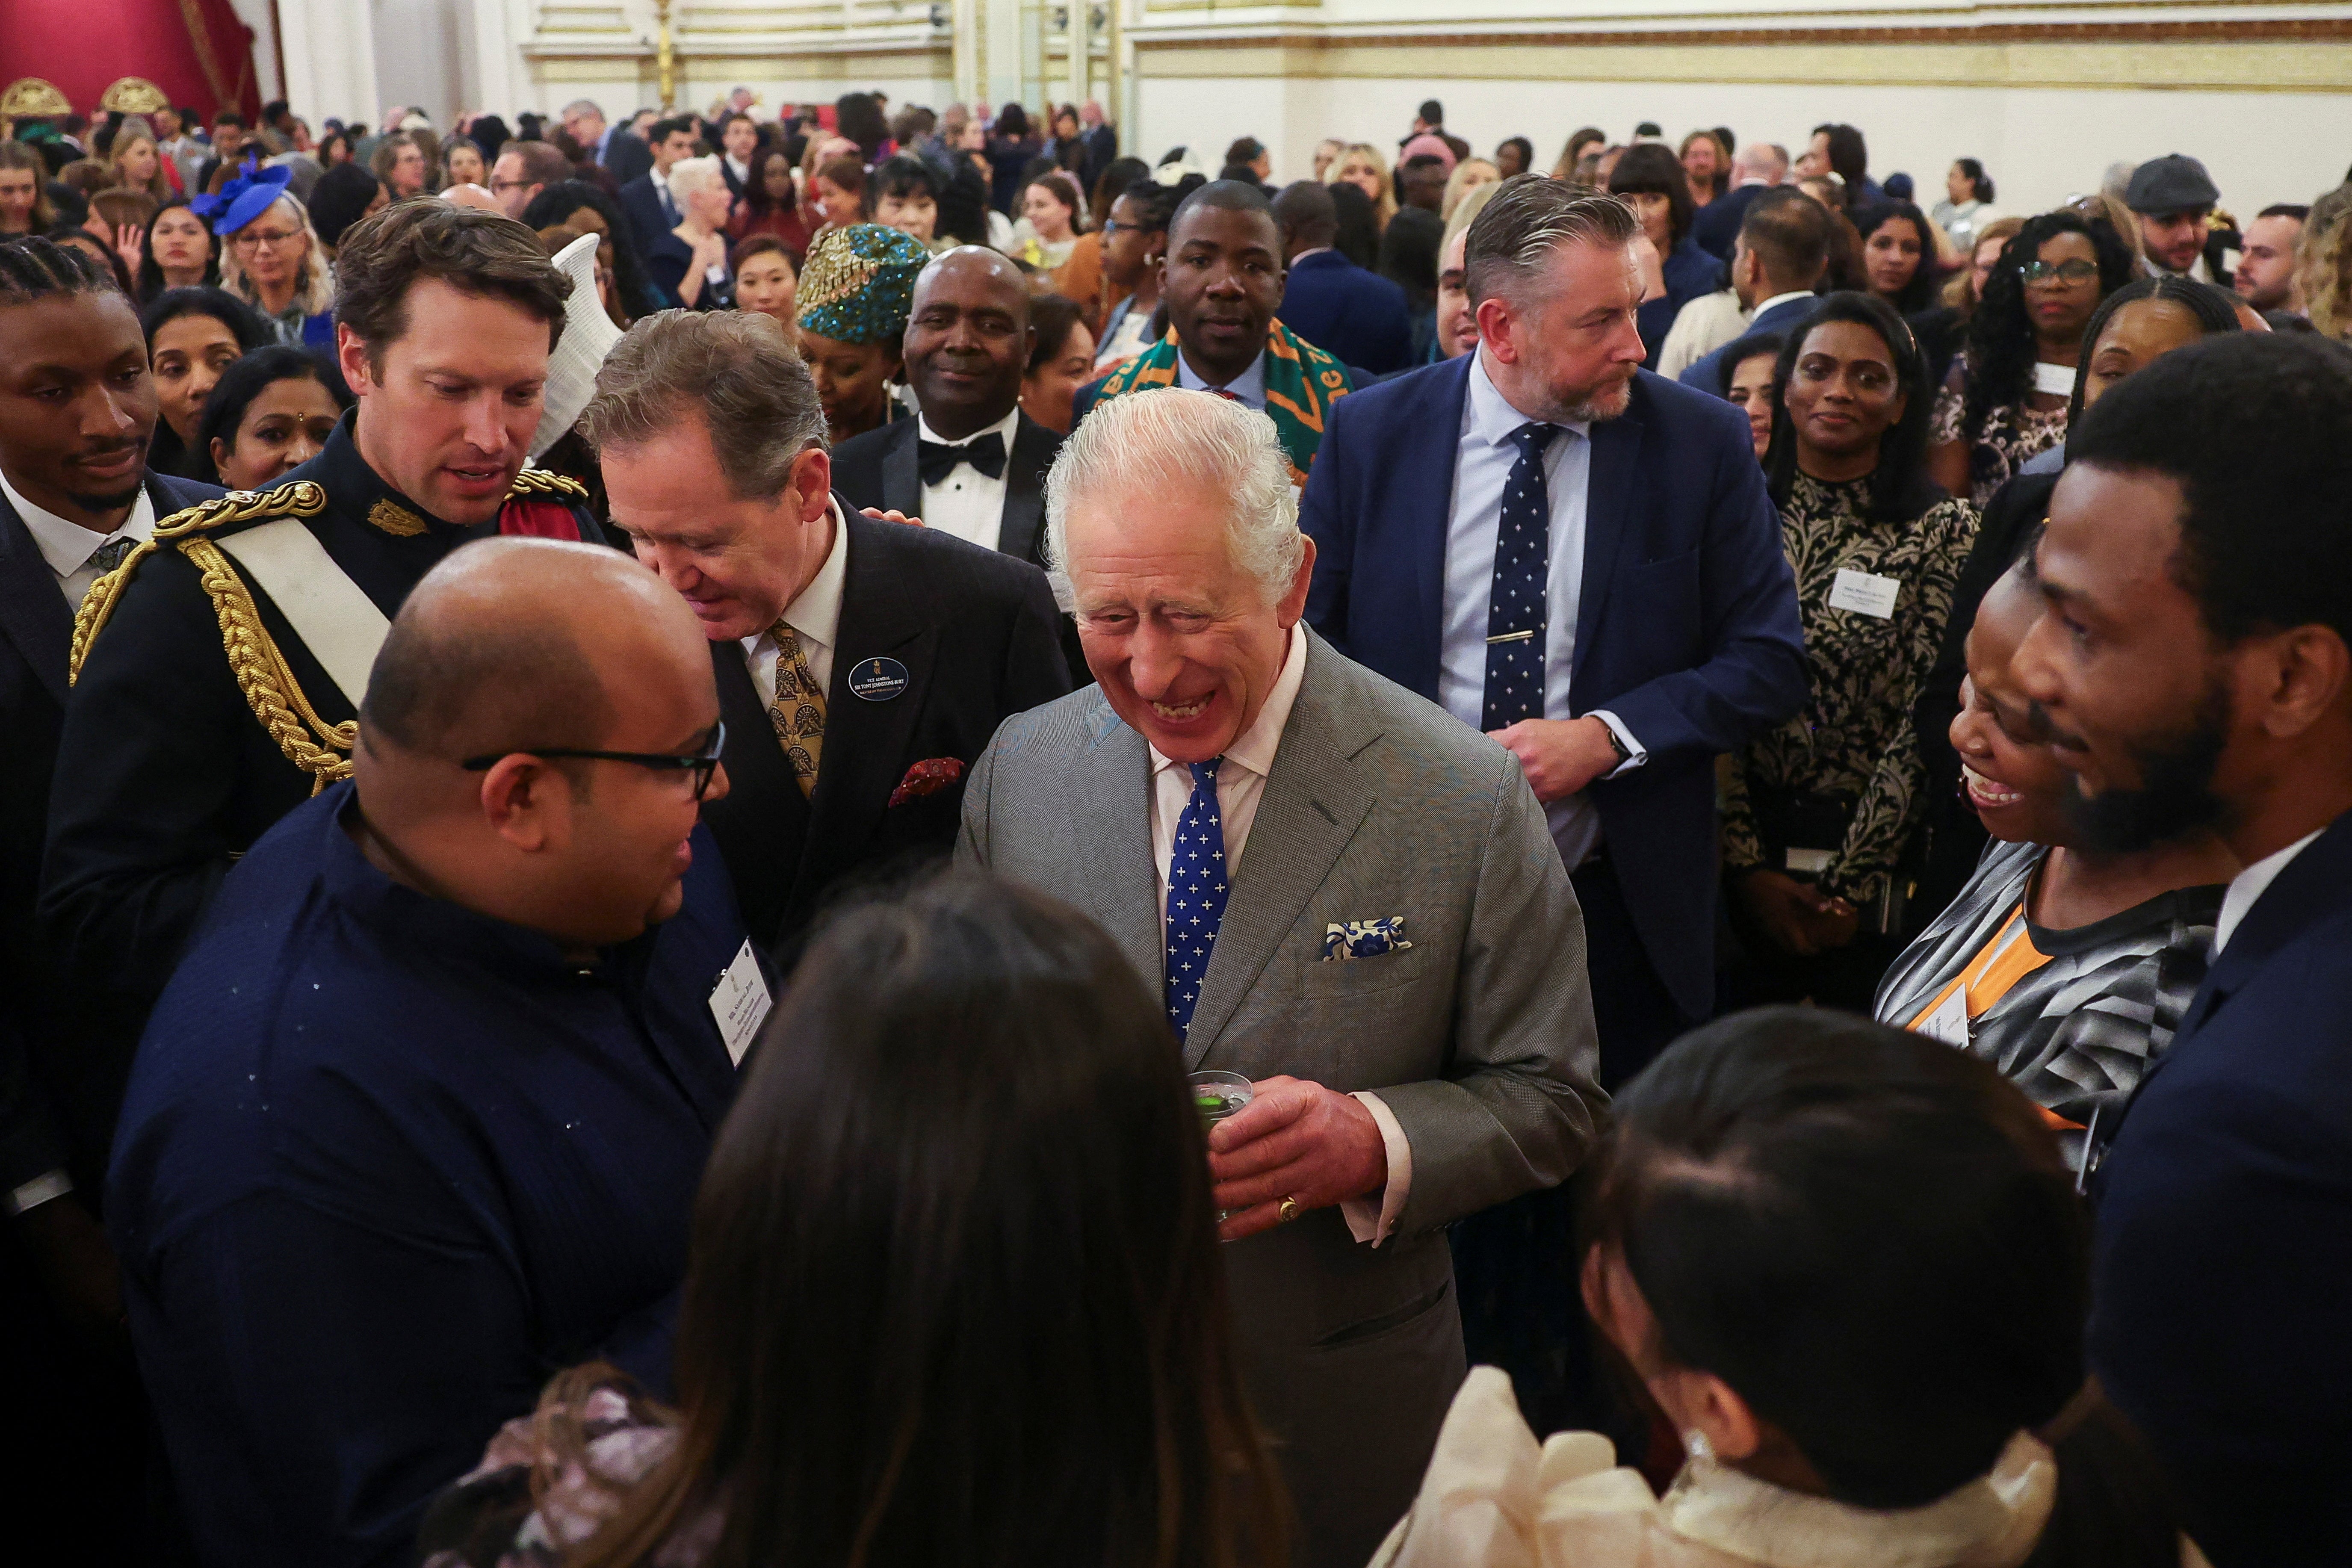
(2193, 658)
(1782, 251)
(1579, 558)
(1358, 318)
(1755, 169)
(647, 199)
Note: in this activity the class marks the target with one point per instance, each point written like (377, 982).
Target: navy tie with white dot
(1515, 613)
(1196, 894)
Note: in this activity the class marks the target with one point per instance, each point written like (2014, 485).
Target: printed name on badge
(1865, 593)
(877, 680)
(740, 1003)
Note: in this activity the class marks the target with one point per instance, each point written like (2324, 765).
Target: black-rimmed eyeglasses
(702, 764)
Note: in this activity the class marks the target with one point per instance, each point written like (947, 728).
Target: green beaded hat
(858, 284)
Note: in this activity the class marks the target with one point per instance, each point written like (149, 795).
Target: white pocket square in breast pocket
(1363, 938)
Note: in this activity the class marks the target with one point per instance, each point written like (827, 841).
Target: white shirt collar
(2247, 886)
(67, 545)
(1249, 386)
(1255, 747)
(1491, 416)
(1783, 299)
(815, 615)
(1003, 427)
(1313, 250)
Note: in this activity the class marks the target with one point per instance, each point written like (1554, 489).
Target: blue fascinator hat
(244, 198)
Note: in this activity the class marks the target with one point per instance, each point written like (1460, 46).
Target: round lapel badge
(877, 680)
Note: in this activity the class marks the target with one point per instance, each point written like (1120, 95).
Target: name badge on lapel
(740, 1003)
(877, 680)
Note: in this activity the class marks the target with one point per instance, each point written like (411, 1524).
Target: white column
(330, 62)
(1080, 38)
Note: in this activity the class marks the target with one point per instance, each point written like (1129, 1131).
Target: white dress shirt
(1777, 301)
(740, 169)
(67, 546)
(1249, 386)
(1481, 467)
(968, 504)
(814, 617)
(1241, 783)
(2247, 886)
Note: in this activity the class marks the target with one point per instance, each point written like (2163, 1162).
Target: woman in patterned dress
(1817, 811)
(2005, 400)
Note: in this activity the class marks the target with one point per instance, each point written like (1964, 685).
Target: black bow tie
(935, 460)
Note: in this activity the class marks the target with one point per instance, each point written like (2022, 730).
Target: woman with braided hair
(2006, 400)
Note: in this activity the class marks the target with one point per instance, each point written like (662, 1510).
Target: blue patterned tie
(1196, 894)
(1515, 613)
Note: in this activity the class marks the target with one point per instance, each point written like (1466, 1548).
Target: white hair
(1166, 441)
(688, 172)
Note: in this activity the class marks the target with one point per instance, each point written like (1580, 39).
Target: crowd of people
(622, 930)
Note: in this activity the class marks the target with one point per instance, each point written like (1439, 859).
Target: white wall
(2040, 145)
(420, 56)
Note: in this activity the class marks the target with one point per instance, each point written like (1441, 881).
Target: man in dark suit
(611, 148)
(1581, 559)
(647, 199)
(77, 411)
(1359, 317)
(2192, 656)
(862, 665)
(1783, 250)
(1755, 169)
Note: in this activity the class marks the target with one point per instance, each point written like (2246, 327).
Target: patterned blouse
(2072, 1017)
(2013, 433)
(1853, 738)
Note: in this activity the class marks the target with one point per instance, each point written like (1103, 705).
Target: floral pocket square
(1363, 938)
(929, 776)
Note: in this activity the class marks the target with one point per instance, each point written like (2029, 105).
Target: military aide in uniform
(218, 671)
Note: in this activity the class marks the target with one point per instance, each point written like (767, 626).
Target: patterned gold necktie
(798, 711)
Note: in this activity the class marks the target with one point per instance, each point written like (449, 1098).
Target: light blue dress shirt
(1249, 386)
(1482, 466)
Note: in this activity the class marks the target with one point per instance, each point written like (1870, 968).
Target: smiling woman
(271, 412)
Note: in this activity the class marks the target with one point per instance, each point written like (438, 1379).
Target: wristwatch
(1616, 745)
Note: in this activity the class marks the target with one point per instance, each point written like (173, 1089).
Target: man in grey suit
(1337, 891)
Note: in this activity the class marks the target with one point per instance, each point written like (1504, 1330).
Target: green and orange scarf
(1302, 382)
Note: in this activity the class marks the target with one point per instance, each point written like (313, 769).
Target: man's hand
(879, 515)
(1560, 755)
(1795, 916)
(1294, 1140)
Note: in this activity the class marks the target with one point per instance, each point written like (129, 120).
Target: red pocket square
(929, 776)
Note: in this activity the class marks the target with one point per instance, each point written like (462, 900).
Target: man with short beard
(2194, 656)
(1579, 558)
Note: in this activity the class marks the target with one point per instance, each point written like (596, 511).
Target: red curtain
(195, 50)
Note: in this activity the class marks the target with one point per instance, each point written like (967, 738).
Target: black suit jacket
(2221, 1278)
(975, 631)
(50, 1089)
(878, 468)
(648, 219)
(1716, 226)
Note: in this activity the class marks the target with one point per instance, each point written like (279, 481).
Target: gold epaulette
(303, 498)
(548, 482)
(318, 748)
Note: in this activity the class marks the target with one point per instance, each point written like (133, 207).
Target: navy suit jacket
(1686, 624)
(2222, 1281)
(1706, 372)
(1716, 226)
(647, 221)
(1358, 318)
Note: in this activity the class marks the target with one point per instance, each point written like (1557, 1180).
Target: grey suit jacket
(1479, 1038)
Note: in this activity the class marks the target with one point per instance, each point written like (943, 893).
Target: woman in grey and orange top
(2065, 966)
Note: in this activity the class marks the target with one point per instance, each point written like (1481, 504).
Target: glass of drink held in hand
(1217, 1096)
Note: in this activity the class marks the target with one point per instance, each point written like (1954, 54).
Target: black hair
(2000, 343)
(2215, 311)
(32, 268)
(1526, 152)
(560, 200)
(1305, 210)
(1651, 168)
(151, 277)
(244, 323)
(1873, 1238)
(2295, 210)
(1974, 173)
(858, 116)
(1742, 350)
(1155, 204)
(340, 199)
(1051, 317)
(1791, 233)
(1118, 178)
(964, 204)
(1244, 150)
(1649, 128)
(1848, 157)
(1012, 122)
(661, 131)
(1359, 234)
(230, 117)
(1900, 490)
(1226, 195)
(246, 380)
(1409, 248)
(1920, 293)
(906, 175)
(2256, 430)
(1729, 140)
(1433, 111)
